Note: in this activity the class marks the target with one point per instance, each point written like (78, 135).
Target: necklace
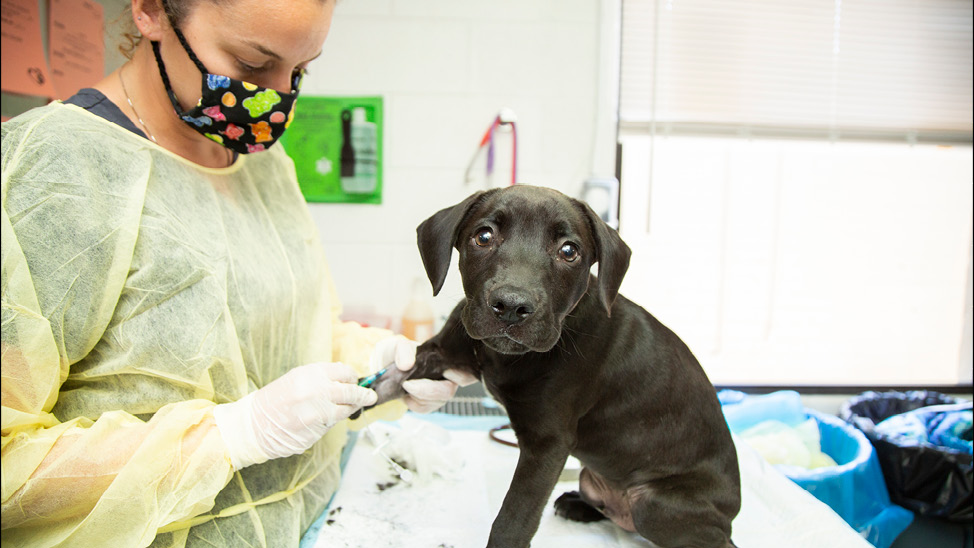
(137, 117)
(146, 128)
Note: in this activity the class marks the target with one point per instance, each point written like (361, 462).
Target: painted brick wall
(445, 68)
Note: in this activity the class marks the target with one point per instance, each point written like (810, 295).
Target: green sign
(336, 145)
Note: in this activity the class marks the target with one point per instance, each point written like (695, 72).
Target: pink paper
(77, 46)
(23, 69)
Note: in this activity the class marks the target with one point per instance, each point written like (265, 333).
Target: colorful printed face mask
(241, 116)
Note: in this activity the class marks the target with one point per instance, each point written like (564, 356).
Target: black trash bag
(932, 481)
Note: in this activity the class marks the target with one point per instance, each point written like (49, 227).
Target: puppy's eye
(484, 238)
(568, 252)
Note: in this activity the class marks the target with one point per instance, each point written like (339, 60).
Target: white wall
(445, 68)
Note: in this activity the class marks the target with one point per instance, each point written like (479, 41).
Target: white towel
(461, 476)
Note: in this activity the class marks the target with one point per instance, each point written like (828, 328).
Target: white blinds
(836, 69)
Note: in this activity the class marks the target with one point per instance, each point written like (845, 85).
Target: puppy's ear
(612, 254)
(436, 237)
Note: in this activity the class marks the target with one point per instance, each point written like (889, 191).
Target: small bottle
(348, 151)
(417, 319)
(359, 156)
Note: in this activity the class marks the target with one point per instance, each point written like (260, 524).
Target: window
(796, 185)
(867, 68)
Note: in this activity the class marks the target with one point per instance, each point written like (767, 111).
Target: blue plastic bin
(854, 489)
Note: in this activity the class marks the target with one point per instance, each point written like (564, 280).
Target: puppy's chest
(532, 387)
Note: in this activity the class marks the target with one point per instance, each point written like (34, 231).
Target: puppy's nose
(511, 306)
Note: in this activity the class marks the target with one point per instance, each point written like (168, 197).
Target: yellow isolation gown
(138, 291)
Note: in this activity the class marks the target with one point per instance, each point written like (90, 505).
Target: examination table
(458, 476)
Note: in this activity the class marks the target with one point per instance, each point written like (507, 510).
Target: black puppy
(579, 372)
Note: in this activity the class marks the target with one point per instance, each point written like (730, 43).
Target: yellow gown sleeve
(79, 482)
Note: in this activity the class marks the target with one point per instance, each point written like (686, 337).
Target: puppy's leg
(675, 515)
(600, 496)
(538, 467)
(430, 364)
(451, 348)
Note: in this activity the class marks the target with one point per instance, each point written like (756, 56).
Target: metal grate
(468, 406)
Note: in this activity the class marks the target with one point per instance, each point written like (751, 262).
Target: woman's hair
(130, 35)
(175, 10)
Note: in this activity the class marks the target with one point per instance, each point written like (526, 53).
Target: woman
(174, 371)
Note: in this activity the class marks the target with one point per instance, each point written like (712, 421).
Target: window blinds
(875, 69)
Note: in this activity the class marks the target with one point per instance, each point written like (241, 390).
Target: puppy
(580, 370)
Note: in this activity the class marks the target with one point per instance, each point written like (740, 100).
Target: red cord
(488, 140)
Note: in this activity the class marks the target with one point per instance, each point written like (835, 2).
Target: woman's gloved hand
(422, 395)
(290, 414)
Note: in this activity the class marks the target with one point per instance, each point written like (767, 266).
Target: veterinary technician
(174, 370)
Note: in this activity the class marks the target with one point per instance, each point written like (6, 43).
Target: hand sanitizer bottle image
(417, 319)
(359, 152)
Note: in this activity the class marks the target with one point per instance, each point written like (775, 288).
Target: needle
(366, 382)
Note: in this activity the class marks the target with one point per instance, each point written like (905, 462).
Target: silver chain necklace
(137, 117)
(142, 123)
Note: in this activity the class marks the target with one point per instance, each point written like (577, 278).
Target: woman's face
(257, 41)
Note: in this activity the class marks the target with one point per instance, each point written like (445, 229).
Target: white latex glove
(422, 395)
(290, 414)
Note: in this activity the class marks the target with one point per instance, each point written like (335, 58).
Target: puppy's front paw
(571, 506)
(430, 362)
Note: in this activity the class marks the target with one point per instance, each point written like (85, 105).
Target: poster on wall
(336, 145)
(76, 45)
(25, 69)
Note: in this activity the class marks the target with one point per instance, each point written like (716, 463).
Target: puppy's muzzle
(511, 305)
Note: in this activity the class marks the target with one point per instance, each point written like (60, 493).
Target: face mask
(239, 115)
